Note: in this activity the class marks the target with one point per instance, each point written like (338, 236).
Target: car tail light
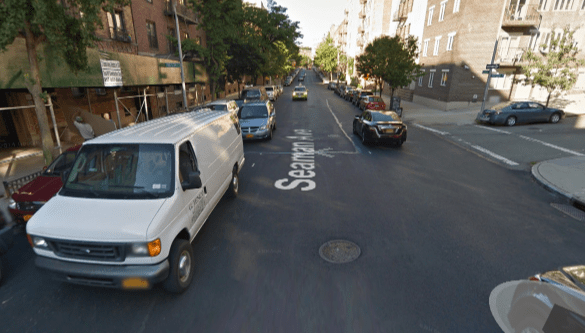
(534, 278)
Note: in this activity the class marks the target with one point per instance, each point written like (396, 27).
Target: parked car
(358, 96)
(6, 235)
(288, 81)
(332, 85)
(135, 199)
(28, 199)
(553, 301)
(380, 126)
(512, 113)
(258, 120)
(271, 91)
(300, 92)
(345, 91)
(340, 87)
(254, 94)
(349, 94)
(372, 103)
(223, 105)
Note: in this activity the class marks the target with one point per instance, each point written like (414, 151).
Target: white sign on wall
(111, 72)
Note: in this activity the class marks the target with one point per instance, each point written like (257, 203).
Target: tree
(391, 60)
(342, 66)
(326, 56)
(556, 67)
(68, 27)
(220, 23)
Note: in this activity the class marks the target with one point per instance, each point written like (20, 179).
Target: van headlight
(12, 204)
(150, 249)
(38, 242)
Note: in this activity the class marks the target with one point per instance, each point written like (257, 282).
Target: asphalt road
(438, 228)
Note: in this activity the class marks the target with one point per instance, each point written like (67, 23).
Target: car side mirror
(65, 175)
(357, 117)
(193, 182)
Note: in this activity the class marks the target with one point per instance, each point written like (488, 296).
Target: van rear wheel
(235, 183)
(181, 266)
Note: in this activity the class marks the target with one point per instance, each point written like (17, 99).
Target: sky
(315, 17)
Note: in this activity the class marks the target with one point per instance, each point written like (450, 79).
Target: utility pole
(181, 56)
(487, 84)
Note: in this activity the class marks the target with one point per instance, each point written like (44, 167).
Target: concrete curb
(546, 184)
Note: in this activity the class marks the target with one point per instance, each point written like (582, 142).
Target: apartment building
(459, 39)
(135, 40)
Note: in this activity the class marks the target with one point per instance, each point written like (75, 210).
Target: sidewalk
(565, 176)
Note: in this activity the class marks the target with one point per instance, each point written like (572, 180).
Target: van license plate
(249, 135)
(135, 283)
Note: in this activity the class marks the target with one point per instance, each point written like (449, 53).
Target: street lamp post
(180, 57)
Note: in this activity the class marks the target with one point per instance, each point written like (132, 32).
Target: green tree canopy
(555, 67)
(326, 56)
(67, 27)
(391, 60)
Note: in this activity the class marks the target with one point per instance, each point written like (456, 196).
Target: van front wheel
(181, 266)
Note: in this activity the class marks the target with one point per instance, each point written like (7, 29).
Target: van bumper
(111, 276)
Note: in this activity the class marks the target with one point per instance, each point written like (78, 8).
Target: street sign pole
(181, 57)
(487, 84)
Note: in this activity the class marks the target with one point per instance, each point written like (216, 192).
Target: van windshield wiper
(141, 188)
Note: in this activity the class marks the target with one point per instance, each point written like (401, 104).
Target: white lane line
(253, 164)
(552, 146)
(494, 155)
(493, 129)
(431, 129)
(341, 128)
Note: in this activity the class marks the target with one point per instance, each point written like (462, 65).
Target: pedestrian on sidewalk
(84, 128)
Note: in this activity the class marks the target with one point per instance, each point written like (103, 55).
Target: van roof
(169, 129)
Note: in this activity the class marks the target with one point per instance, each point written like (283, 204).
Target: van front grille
(88, 251)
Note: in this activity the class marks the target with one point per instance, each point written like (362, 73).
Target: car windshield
(122, 171)
(251, 94)
(386, 116)
(375, 99)
(300, 89)
(218, 107)
(62, 163)
(256, 111)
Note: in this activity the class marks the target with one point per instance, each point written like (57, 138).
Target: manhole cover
(339, 251)
(573, 212)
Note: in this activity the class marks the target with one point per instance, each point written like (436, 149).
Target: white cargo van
(135, 199)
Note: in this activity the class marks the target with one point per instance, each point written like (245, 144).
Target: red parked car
(33, 195)
(372, 103)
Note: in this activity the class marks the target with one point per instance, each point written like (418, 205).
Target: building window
(450, 41)
(425, 47)
(430, 19)
(431, 77)
(542, 5)
(456, 6)
(151, 33)
(442, 11)
(437, 43)
(173, 48)
(444, 75)
(117, 26)
(420, 79)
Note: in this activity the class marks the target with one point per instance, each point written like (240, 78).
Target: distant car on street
(288, 81)
(300, 92)
(33, 195)
(257, 120)
(344, 92)
(272, 93)
(356, 98)
(519, 112)
(223, 105)
(372, 103)
(380, 126)
(340, 87)
(332, 85)
(301, 78)
(350, 93)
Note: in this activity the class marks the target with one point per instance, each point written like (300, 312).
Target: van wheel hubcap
(184, 266)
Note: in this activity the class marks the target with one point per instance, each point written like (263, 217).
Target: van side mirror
(193, 182)
(357, 117)
(65, 175)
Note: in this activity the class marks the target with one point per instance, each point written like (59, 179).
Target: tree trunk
(212, 89)
(548, 98)
(381, 87)
(33, 84)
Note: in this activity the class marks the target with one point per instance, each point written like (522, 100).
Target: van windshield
(122, 171)
(249, 112)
